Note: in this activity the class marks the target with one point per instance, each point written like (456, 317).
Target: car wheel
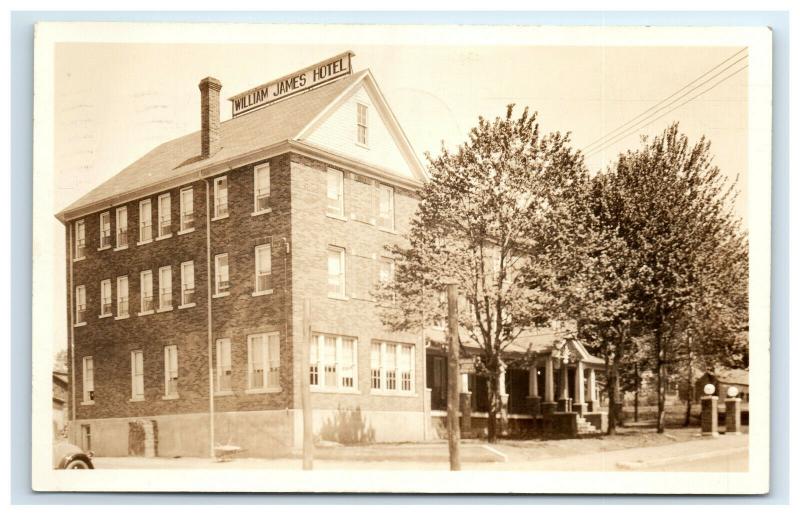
(77, 464)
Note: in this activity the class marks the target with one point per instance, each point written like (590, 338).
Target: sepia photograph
(342, 258)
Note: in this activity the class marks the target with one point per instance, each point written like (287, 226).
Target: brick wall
(297, 218)
(313, 231)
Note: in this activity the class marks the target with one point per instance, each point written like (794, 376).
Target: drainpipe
(210, 327)
(71, 319)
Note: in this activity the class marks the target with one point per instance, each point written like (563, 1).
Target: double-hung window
(122, 296)
(386, 207)
(333, 362)
(145, 222)
(224, 367)
(171, 371)
(80, 305)
(187, 209)
(187, 283)
(263, 362)
(146, 291)
(336, 272)
(220, 197)
(105, 230)
(80, 240)
(392, 367)
(88, 380)
(165, 288)
(385, 272)
(122, 227)
(164, 216)
(361, 123)
(221, 276)
(137, 375)
(335, 192)
(263, 268)
(261, 188)
(105, 298)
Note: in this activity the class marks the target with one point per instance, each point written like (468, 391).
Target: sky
(114, 102)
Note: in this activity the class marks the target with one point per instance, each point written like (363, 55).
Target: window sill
(388, 230)
(187, 230)
(101, 248)
(223, 393)
(261, 212)
(362, 145)
(136, 399)
(219, 217)
(263, 391)
(104, 316)
(338, 297)
(142, 243)
(328, 390)
(121, 317)
(164, 310)
(162, 237)
(90, 402)
(143, 313)
(170, 397)
(337, 217)
(79, 324)
(120, 248)
(264, 292)
(187, 306)
(220, 295)
(79, 259)
(398, 394)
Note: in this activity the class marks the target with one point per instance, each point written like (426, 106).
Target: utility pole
(305, 391)
(453, 380)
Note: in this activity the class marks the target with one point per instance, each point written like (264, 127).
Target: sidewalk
(725, 453)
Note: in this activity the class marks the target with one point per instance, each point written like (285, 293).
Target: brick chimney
(209, 116)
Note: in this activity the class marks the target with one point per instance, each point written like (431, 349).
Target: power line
(652, 119)
(605, 137)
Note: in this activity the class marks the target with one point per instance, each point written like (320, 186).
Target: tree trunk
(494, 399)
(689, 392)
(661, 368)
(636, 393)
(612, 377)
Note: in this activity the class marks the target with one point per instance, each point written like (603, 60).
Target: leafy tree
(690, 253)
(480, 224)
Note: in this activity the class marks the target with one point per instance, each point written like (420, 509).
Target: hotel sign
(299, 81)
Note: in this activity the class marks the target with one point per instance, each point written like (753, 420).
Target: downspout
(212, 443)
(70, 318)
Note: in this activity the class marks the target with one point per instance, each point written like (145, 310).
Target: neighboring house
(197, 259)
(723, 379)
(60, 401)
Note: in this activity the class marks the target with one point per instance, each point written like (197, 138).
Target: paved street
(726, 453)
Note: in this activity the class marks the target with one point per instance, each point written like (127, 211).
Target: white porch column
(592, 386)
(465, 382)
(548, 380)
(533, 381)
(580, 383)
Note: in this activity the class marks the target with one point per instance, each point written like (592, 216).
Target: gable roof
(281, 122)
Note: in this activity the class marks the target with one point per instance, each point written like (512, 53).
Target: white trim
(261, 212)
(119, 210)
(258, 252)
(143, 313)
(181, 209)
(121, 248)
(187, 306)
(321, 359)
(104, 248)
(162, 237)
(342, 271)
(218, 368)
(257, 169)
(262, 293)
(134, 375)
(90, 402)
(266, 362)
(215, 183)
(168, 370)
(168, 198)
(217, 257)
(79, 324)
(220, 295)
(148, 222)
(184, 232)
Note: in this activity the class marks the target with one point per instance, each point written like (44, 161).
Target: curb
(638, 465)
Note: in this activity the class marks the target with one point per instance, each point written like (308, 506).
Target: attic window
(361, 123)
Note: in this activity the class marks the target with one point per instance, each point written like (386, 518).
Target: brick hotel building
(188, 271)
